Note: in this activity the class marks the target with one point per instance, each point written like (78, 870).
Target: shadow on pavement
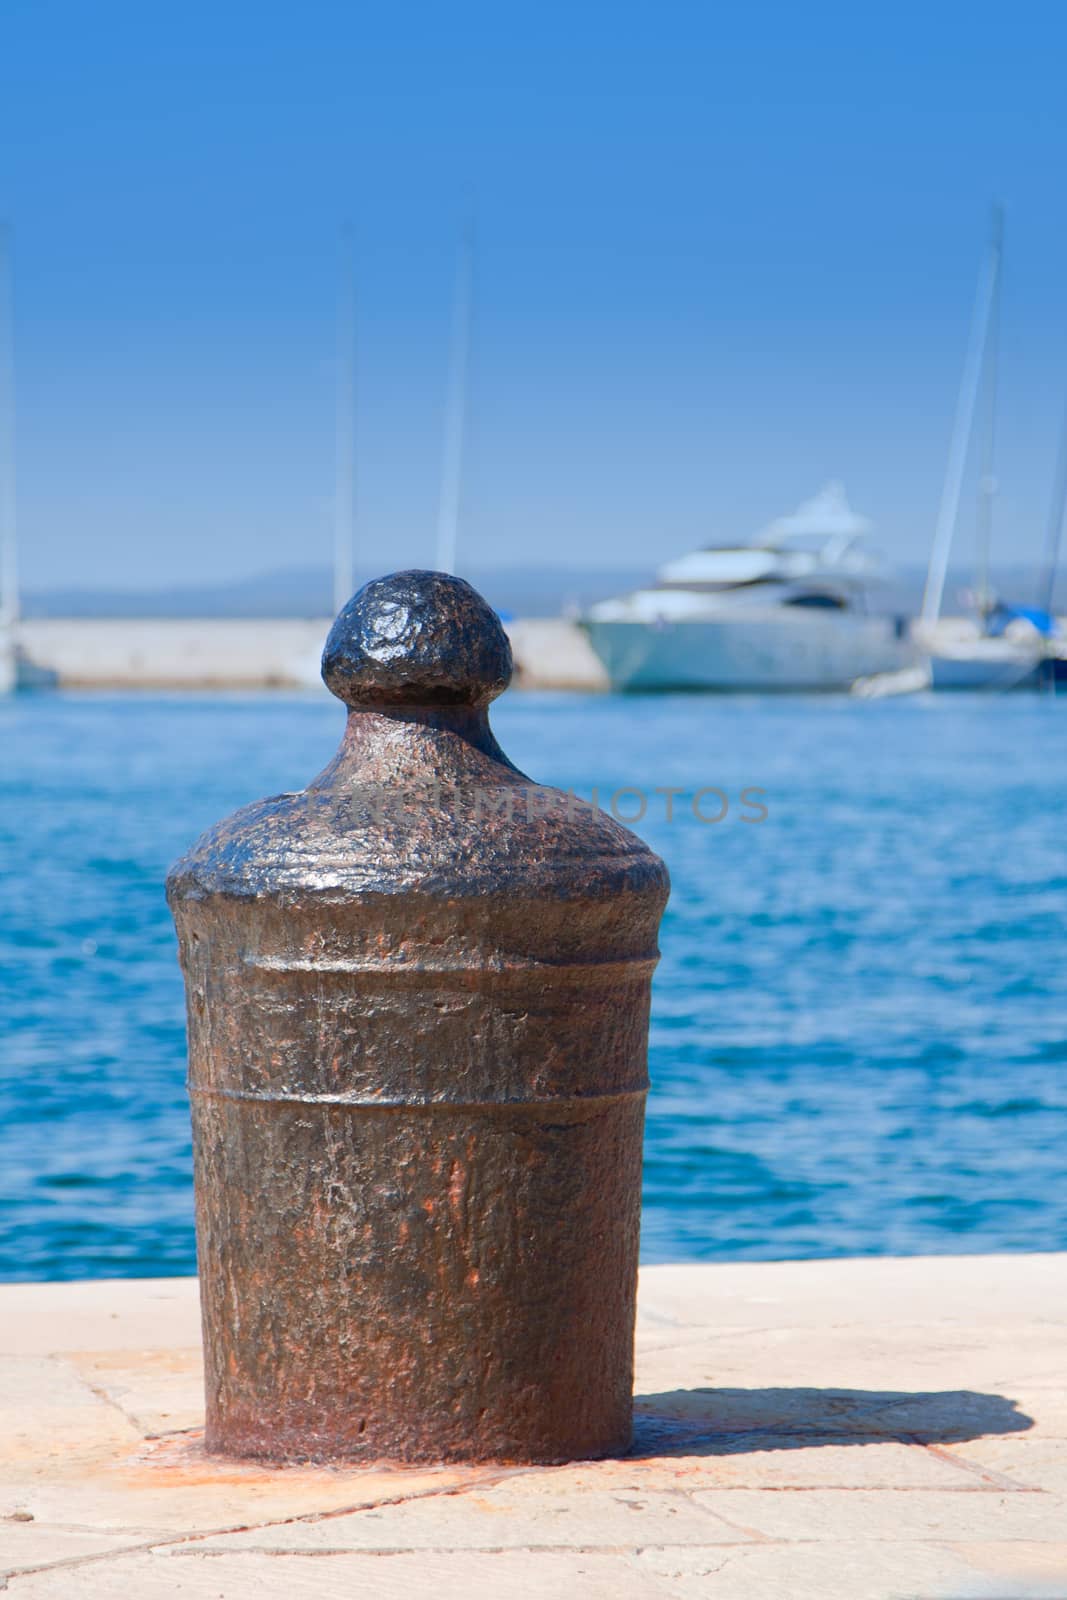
(710, 1422)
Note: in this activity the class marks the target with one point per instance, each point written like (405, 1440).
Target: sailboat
(9, 608)
(1000, 646)
(306, 670)
(1052, 672)
(456, 405)
(792, 610)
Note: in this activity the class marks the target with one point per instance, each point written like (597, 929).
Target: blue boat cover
(1002, 616)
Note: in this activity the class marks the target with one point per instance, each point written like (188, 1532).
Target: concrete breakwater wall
(244, 653)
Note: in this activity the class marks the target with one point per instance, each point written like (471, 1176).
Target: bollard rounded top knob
(417, 638)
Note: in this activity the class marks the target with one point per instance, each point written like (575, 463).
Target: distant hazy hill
(517, 591)
(307, 592)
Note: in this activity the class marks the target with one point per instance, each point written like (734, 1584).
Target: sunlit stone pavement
(862, 1428)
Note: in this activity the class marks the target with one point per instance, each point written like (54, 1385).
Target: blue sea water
(858, 1036)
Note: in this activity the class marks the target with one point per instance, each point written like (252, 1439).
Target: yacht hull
(8, 667)
(980, 672)
(961, 657)
(801, 652)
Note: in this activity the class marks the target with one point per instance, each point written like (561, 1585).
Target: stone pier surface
(867, 1429)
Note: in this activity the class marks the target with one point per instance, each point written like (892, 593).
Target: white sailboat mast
(344, 512)
(987, 483)
(984, 302)
(456, 407)
(1054, 530)
(9, 577)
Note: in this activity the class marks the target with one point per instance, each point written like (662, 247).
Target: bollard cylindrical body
(418, 1012)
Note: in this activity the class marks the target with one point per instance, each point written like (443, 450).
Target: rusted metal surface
(418, 1012)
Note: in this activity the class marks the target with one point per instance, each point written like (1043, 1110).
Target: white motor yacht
(792, 610)
(9, 606)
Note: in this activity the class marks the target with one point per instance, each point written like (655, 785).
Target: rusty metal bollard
(418, 999)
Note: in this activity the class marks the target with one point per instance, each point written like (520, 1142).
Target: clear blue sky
(725, 253)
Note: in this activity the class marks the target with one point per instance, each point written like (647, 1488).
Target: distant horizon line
(322, 570)
(535, 589)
